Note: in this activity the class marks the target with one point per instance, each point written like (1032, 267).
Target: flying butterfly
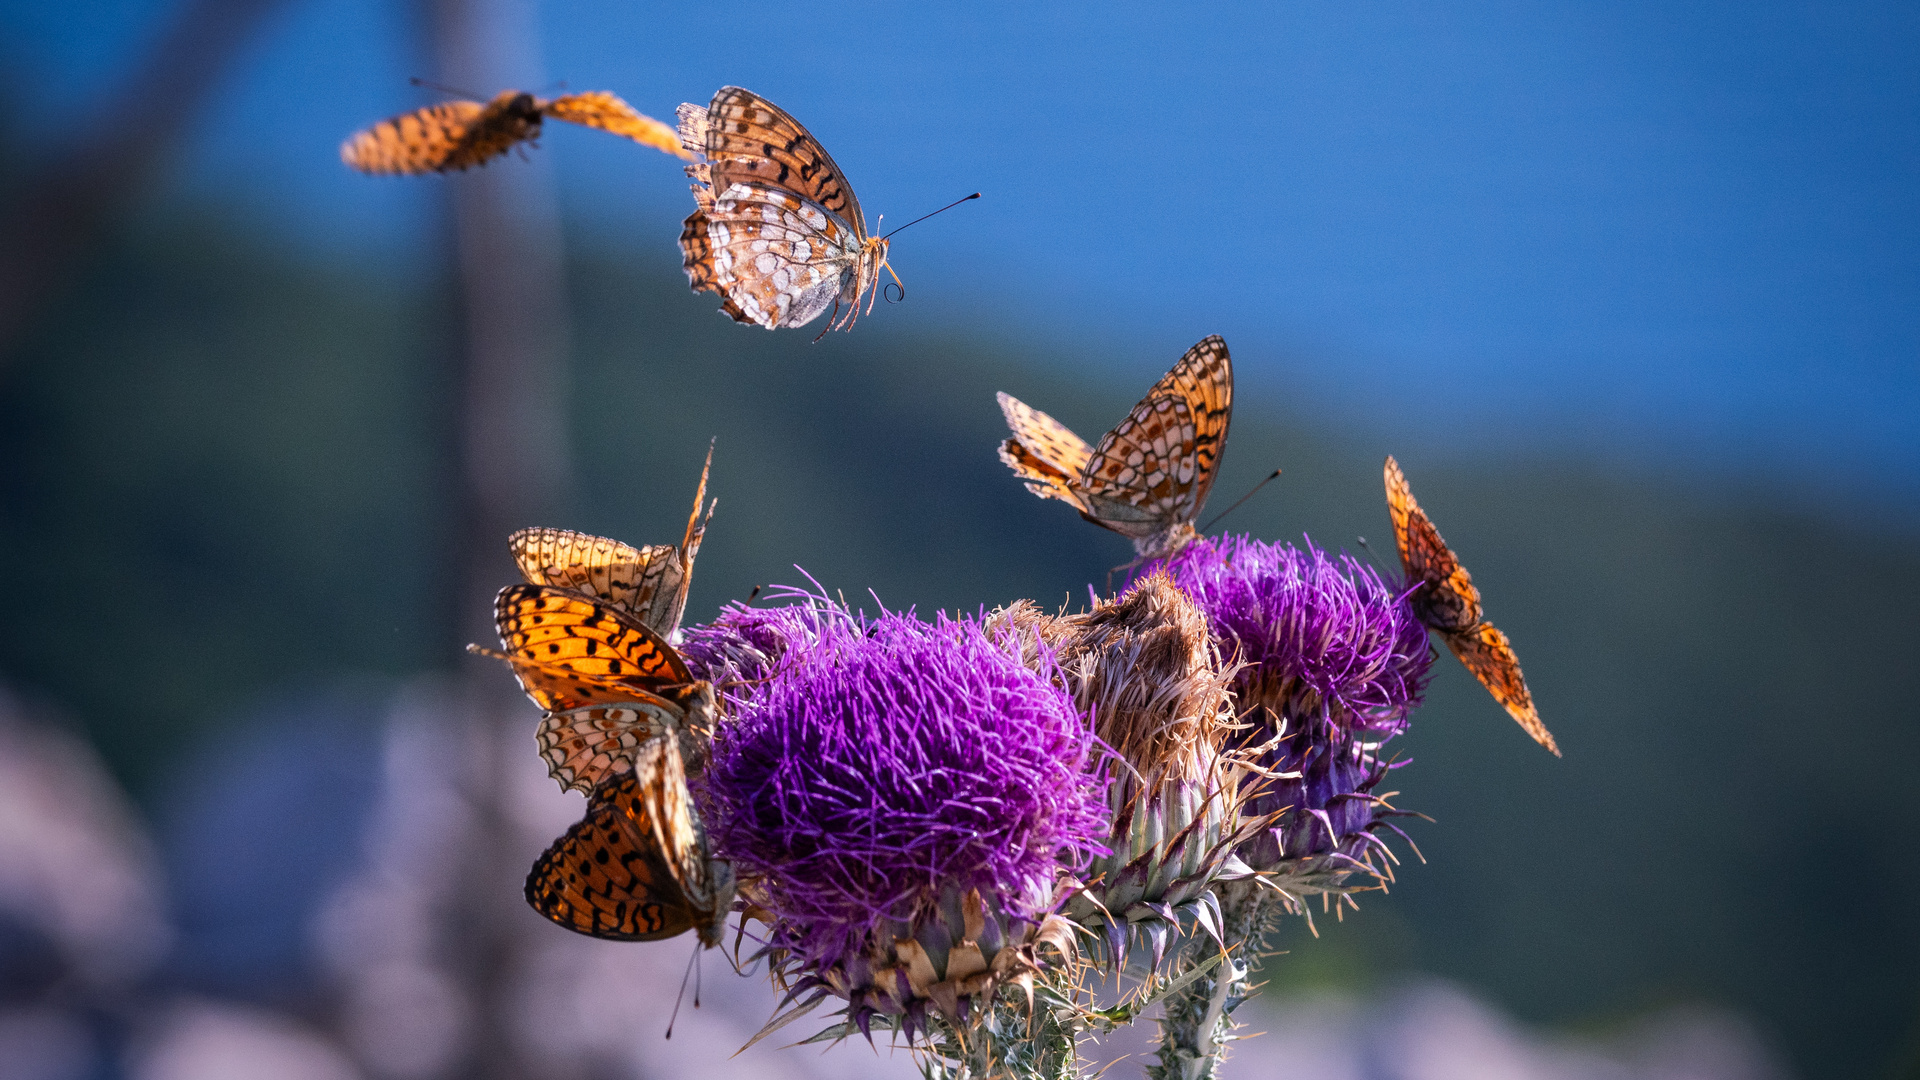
(570, 650)
(647, 582)
(638, 866)
(1149, 476)
(456, 135)
(776, 230)
(1449, 604)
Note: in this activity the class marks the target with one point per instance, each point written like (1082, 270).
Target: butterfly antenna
(445, 89)
(924, 217)
(1208, 527)
(677, 998)
(1368, 548)
(749, 600)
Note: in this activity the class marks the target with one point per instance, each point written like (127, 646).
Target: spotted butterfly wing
(638, 866)
(1044, 452)
(447, 137)
(607, 112)
(776, 230)
(1147, 478)
(1487, 653)
(570, 650)
(648, 582)
(1448, 603)
(584, 747)
(456, 135)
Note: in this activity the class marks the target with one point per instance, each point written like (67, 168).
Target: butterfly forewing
(600, 109)
(559, 630)
(1449, 603)
(637, 867)
(750, 139)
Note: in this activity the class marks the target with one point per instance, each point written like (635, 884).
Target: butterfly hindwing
(447, 137)
(780, 258)
(637, 867)
(1487, 653)
(587, 745)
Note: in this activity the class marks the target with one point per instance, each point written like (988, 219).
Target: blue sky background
(1678, 237)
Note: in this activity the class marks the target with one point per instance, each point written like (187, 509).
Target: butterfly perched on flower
(1449, 604)
(638, 866)
(1149, 476)
(776, 230)
(456, 135)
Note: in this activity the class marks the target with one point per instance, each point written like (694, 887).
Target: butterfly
(455, 135)
(648, 582)
(776, 229)
(1150, 475)
(638, 866)
(1448, 604)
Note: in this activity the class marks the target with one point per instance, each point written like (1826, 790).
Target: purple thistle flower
(1335, 661)
(1319, 635)
(892, 781)
(740, 651)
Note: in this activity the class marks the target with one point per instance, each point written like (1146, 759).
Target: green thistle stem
(1198, 1022)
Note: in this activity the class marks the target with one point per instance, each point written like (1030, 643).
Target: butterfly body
(1446, 601)
(1148, 477)
(456, 135)
(638, 866)
(776, 230)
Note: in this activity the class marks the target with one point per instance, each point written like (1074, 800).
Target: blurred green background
(229, 467)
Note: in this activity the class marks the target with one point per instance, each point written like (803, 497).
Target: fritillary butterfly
(638, 866)
(1449, 604)
(1150, 475)
(456, 135)
(776, 229)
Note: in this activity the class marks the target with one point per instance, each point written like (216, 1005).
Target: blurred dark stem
(511, 444)
(59, 211)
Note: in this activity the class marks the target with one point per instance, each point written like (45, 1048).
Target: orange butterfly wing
(649, 582)
(1148, 477)
(1486, 652)
(1450, 605)
(1043, 452)
(600, 109)
(638, 866)
(447, 137)
(570, 650)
